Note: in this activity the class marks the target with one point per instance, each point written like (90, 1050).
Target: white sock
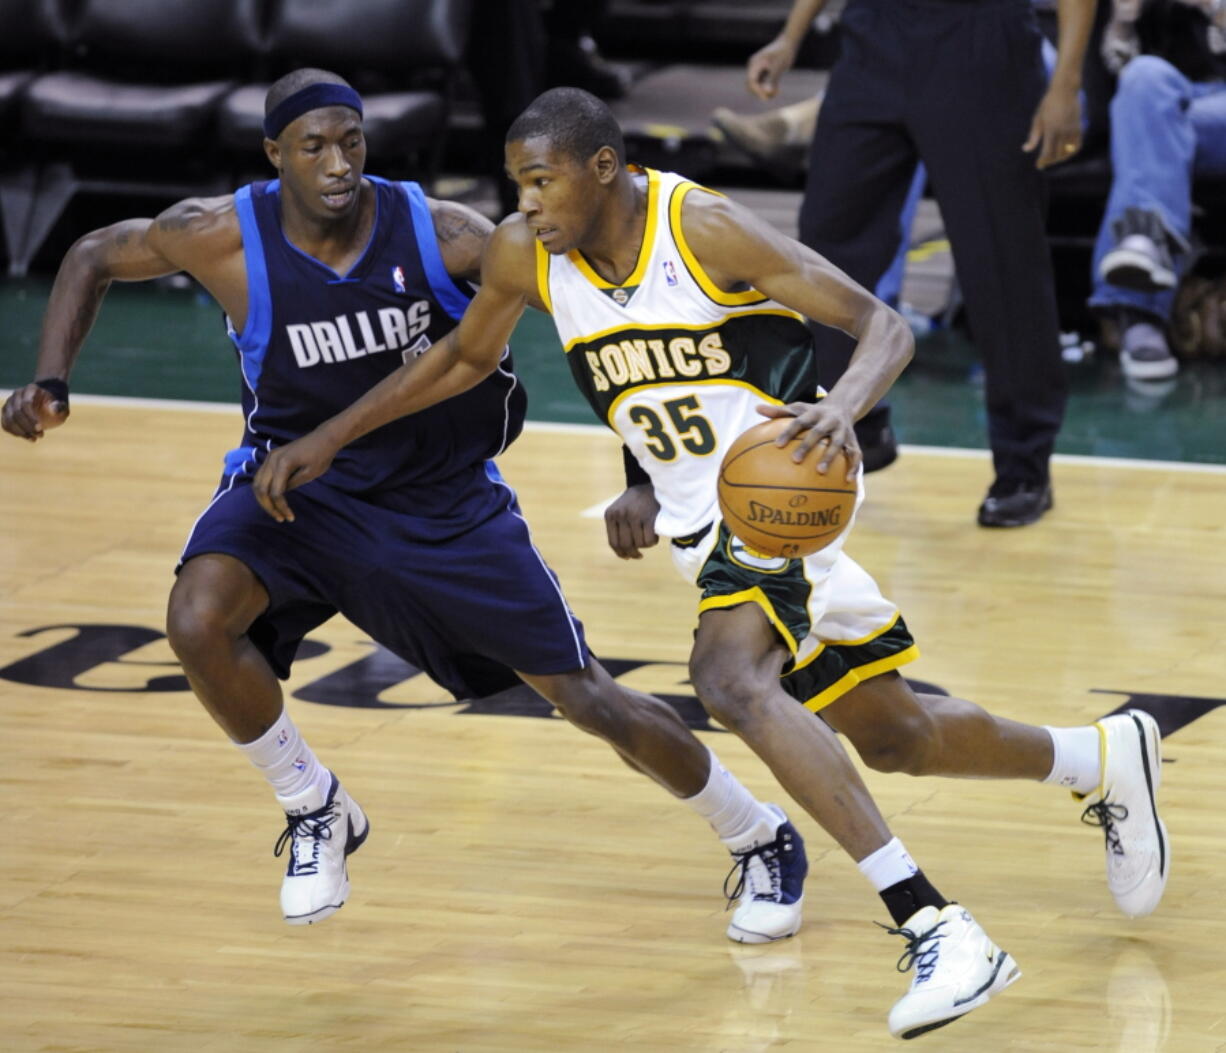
(1077, 758)
(739, 819)
(286, 761)
(889, 865)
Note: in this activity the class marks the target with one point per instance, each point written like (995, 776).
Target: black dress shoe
(878, 447)
(1017, 506)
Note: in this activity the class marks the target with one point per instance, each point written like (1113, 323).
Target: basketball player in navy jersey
(330, 280)
(681, 311)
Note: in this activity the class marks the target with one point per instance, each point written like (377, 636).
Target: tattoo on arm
(451, 226)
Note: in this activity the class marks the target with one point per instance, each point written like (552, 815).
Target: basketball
(776, 506)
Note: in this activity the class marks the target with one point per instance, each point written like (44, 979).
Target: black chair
(29, 45)
(135, 111)
(402, 55)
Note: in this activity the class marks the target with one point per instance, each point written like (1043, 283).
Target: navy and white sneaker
(320, 832)
(769, 885)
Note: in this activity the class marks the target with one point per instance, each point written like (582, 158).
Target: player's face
(558, 195)
(321, 158)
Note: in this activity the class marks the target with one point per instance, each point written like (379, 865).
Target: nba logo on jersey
(282, 737)
(398, 278)
(670, 272)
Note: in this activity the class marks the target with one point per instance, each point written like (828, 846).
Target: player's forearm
(799, 20)
(1075, 20)
(884, 346)
(80, 286)
(441, 373)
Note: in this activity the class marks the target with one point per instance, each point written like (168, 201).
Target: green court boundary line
(588, 429)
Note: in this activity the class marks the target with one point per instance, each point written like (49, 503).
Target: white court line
(581, 429)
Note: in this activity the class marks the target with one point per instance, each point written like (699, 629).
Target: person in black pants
(960, 85)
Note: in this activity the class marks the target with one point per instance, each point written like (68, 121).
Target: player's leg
(218, 608)
(1114, 766)
(768, 851)
(488, 591)
(735, 669)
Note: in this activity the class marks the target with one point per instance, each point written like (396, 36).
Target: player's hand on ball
(289, 466)
(827, 426)
(30, 411)
(630, 521)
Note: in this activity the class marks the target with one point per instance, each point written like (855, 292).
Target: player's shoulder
(212, 219)
(513, 238)
(704, 208)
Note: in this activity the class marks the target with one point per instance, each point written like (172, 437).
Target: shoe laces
(1106, 814)
(922, 950)
(304, 832)
(757, 871)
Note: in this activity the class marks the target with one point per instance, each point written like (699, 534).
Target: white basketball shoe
(320, 832)
(769, 886)
(957, 969)
(1126, 807)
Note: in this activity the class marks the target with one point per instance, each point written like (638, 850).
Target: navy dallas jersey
(315, 341)
(412, 533)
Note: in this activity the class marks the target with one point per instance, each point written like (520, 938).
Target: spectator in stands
(909, 72)
(1168, 125)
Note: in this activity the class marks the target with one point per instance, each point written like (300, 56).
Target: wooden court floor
(522, 890)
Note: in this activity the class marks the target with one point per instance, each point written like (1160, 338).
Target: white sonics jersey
(671, 362)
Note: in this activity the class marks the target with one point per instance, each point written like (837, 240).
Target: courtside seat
(133, 111)
(31, 39)
(402, 55)
(79, 108)
(144, 72)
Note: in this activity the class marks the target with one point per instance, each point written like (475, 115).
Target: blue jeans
(1165, 130)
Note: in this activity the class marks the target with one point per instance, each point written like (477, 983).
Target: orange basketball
(776, 506)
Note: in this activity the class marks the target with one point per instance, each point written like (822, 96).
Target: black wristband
(56, 388)
(635, 476)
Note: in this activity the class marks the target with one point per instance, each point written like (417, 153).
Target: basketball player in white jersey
(682, 317)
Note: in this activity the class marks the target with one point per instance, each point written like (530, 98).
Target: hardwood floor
(522, 890)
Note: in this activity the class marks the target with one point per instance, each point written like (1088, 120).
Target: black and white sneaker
(1141, 259)
(320, 833)
(1125, 805)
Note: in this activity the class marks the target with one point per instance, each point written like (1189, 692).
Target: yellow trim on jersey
(600, 334)
(645, 248)
(684, 383)
(754, 595)
(542, 276)
(713, 291)
(858, 675)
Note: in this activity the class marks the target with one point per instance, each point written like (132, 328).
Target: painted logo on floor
(68, 663)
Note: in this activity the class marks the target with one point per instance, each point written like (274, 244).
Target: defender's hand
(288, 467)
(630, 521)
(31, 410)
(826, 425)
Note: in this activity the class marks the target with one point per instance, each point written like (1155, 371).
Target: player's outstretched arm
(461, 360)
(736, 248)
(132, 250)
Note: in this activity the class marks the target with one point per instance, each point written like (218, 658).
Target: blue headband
(312, 97)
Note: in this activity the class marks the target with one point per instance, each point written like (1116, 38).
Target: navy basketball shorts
(448, 578)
